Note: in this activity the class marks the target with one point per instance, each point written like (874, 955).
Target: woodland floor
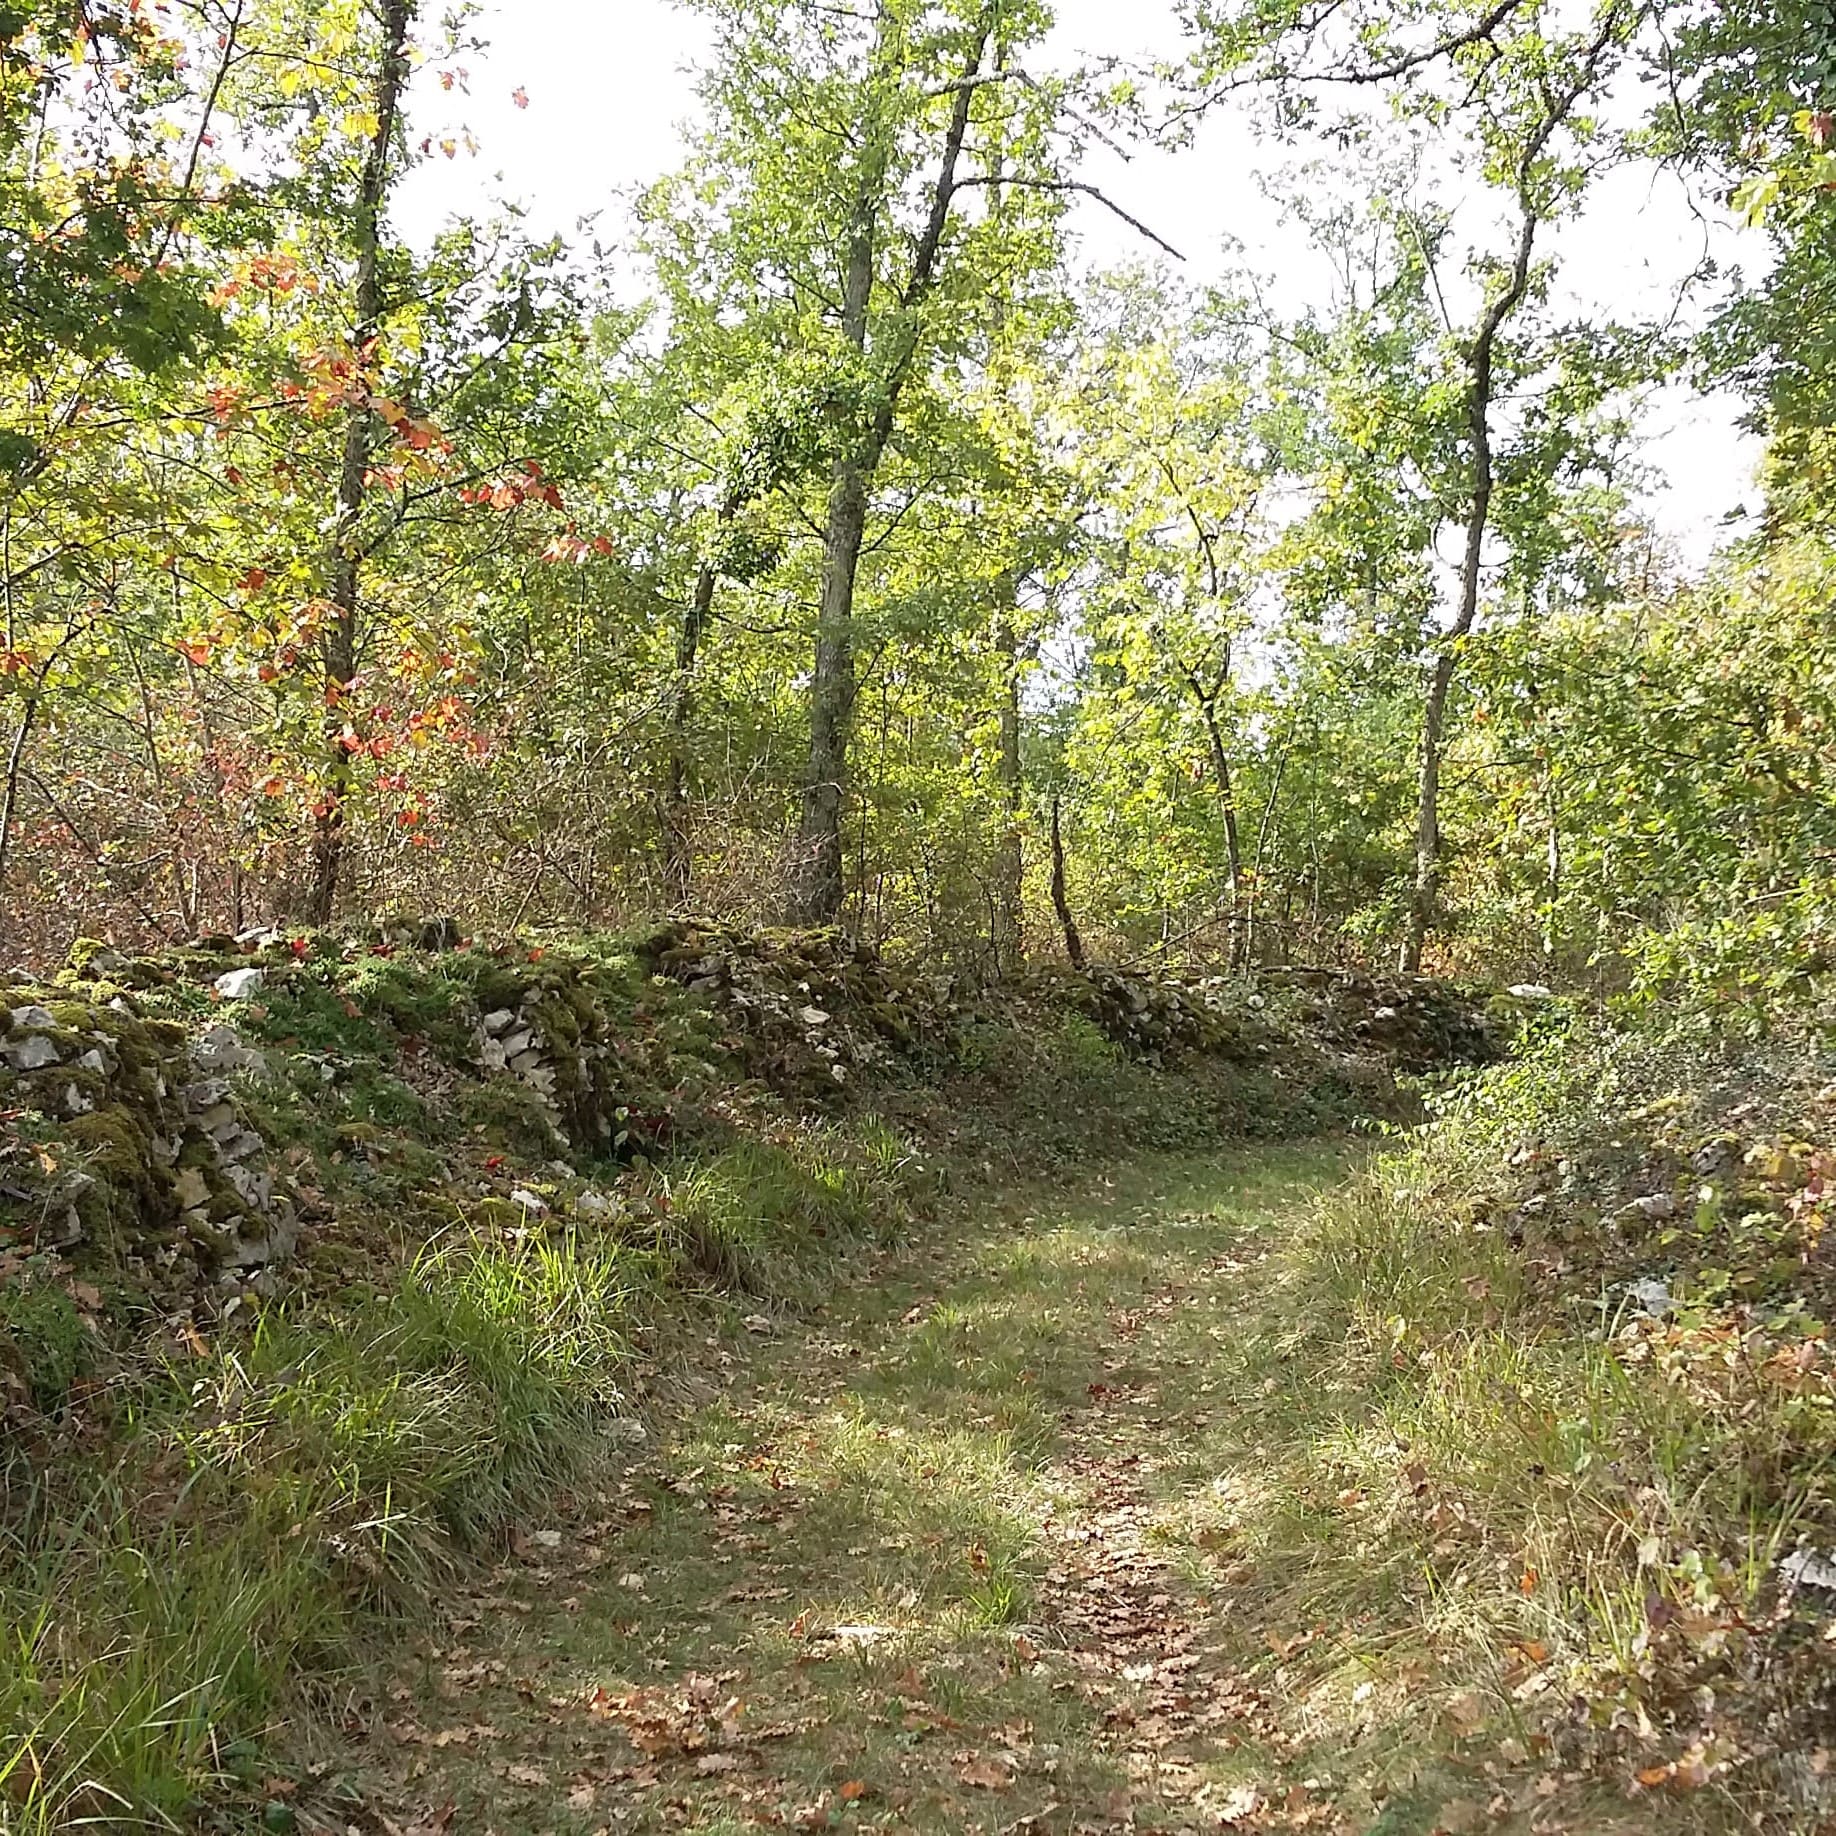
(946, 1553)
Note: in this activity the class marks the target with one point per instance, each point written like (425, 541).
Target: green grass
(848, 1535)
(1395, 1512)
(222, 1559)
(1389, 1481)
(935, 1523)
(274, 1498)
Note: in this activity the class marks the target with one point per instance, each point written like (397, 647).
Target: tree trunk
(677, 855)
(345, 567)
(819, 891)
(1061, 898)
(1426, 892)
(1553, 871)
(1425, 895)
(1482, 356)
(818, 888)
(1010, 856)
(1233, 831)
(9, 791)
(1247, 958)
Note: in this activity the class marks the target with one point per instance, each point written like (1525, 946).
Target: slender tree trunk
(1233, 830)
(29, 709)
(1263, 834)
(1426, 892)
(1553, 868)
(819, 890)
(677, 855)
(346, 557)
(818, 887)
(9, 792)
(1061, 898)
(1481, 360)
(1010, 856)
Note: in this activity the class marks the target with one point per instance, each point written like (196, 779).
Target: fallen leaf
(1239, 1806)
(985, 1774)
(1461, 1817)
(1466, 1710)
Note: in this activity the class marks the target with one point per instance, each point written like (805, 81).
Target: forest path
(951, 1553)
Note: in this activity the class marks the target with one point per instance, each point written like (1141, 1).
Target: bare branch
(1085, 190)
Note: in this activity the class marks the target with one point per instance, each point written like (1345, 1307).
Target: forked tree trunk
(1425, 894)
(1481, 360)
(345, 563)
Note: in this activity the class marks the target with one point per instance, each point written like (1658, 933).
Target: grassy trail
(959, 1550)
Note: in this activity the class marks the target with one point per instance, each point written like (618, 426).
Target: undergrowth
(1570, 1402)
(266, 1504)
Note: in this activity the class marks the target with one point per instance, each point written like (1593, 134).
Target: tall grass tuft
(274, 1499)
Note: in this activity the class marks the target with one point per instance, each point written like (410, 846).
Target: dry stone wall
(152, 1160)
(134, 1090)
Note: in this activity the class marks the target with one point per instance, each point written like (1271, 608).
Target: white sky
(610, 81)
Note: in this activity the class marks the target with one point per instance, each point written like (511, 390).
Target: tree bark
(9, 790)
(345, 564)
(819, 890)
(1263, 834)
(1552, 870)
(1061, 898)
(1227, 801)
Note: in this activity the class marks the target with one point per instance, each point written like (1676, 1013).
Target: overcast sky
(609, 84)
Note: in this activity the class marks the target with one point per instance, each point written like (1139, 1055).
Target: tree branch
(1086, 190)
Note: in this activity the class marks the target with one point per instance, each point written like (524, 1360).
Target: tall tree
(1527, 97)
(857, 218)
(1540, 87)
(370, 305)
